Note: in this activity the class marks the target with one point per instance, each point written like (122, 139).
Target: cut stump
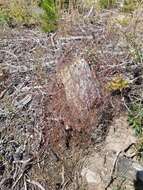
(80, 87)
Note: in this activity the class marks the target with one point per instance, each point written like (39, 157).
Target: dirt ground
(29, 158)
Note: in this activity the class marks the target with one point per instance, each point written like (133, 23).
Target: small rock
(90, 176)
(129, 169)
(9, 157)
(18, 154)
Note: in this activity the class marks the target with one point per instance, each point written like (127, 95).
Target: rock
(18, 154)
(9, 157)
(37, 11)
(92, 178)
(117, 139)
(129, 169)
(98, 168)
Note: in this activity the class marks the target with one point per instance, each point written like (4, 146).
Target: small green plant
(135, 117)
(117, 83)
(123, 20)
(50, 16)
(4, 18)
(139, 148)
(137, 54)
(104, 4)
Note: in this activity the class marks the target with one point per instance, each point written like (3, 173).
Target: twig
(113, 170)
(62, 174)
(76, 38)
(89, 13)
(25, 184)
(5, 91)
(65, 183)
(20, 176)
(115, 163)
(24, 168)
(35, 183)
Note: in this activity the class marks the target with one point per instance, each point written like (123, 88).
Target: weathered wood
(80, 87)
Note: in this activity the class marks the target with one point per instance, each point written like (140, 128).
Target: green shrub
(18, 11)
(135, 117)
(50, 16)
(4, 18)
(40, 12)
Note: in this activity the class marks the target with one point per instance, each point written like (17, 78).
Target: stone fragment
(98, 168)
(129, 169)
